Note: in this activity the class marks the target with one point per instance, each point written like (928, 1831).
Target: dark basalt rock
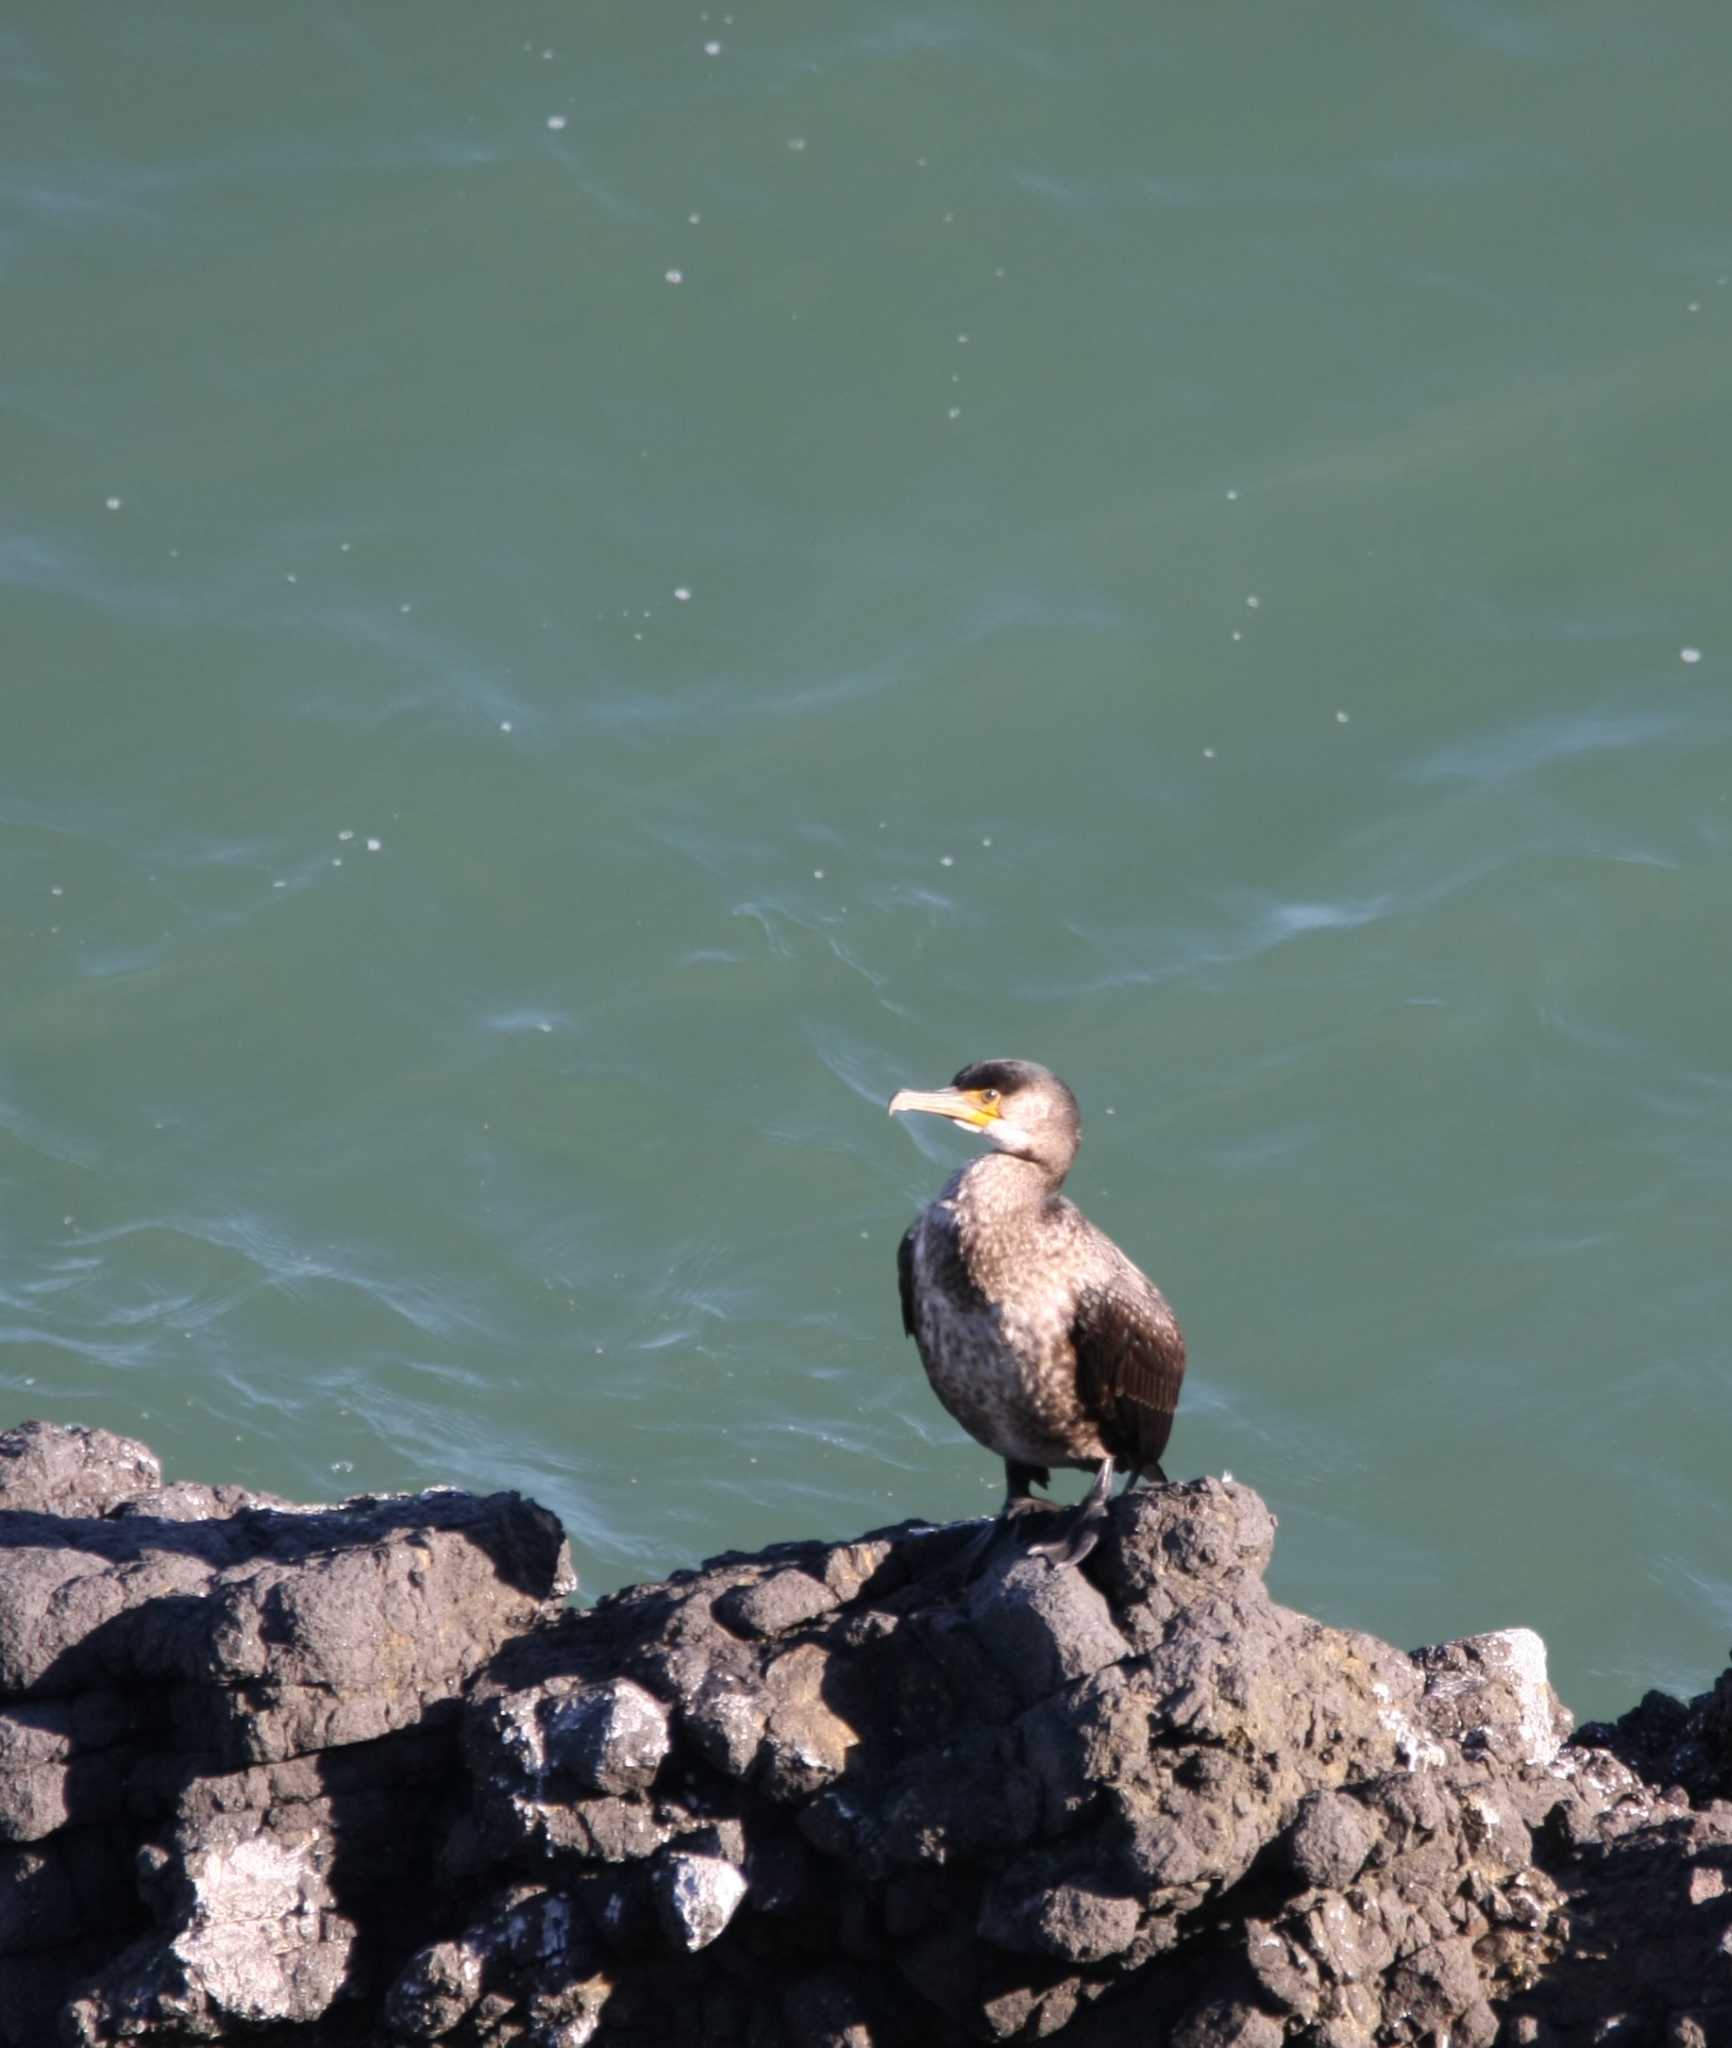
(355, 1774)
(229, 1734)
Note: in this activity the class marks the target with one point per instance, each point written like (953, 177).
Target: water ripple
(1507, 756)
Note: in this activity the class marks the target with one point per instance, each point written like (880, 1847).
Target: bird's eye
(989, 1095)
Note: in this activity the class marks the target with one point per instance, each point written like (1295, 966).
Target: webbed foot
(1082, 1530)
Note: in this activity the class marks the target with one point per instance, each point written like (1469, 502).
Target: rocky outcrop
(358, 1774)
(229, 1734)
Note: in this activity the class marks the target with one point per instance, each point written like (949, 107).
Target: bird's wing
(905, 1278)
(1130, 1362)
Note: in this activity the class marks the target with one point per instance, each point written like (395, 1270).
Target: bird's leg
(1019, 1497)
(1083, 1530)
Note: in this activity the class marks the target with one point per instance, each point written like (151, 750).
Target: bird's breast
(996, 1346)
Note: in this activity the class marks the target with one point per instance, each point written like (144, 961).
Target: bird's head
(1015, 1105)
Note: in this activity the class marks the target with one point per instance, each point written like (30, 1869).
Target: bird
(1038, 1334)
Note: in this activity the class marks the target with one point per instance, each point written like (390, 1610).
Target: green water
(1160, 541)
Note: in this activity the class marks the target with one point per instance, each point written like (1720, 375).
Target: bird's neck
(1001, 1184)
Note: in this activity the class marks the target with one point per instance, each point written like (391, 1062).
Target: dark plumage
(1038, 1334)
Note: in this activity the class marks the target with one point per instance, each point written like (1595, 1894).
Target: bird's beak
(961, 1108)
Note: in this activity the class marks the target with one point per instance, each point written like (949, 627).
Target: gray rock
(1490, 1693)
(1329, 1841)
(49, 1468)
(439, 1986)
(355, 1774)
(775, 1604)
(1076, 1922)
(1043, 1624)
(613, 1739)
(227, 1730)
(697, 1896)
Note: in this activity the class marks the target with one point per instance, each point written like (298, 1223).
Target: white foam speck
(1252, 603)
(986, 842)
(1232, 494)
(817, 874)
(113, 504)
(676, 277)
(1690, 654)
(556, 122)
(712, 49)
(1208, 753)
(694, 218)
(345, 835)
(953, 412)
(373, 845)
(683, 594)
(947, 860)
(1341, 718)
(56, 890)
(336, 860)
(505, 725)
(279, 885)
(796, 143)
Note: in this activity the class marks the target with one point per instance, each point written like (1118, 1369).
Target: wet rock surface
(358, 1774)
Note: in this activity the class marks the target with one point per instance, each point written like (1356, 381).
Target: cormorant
(1042, 1339)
